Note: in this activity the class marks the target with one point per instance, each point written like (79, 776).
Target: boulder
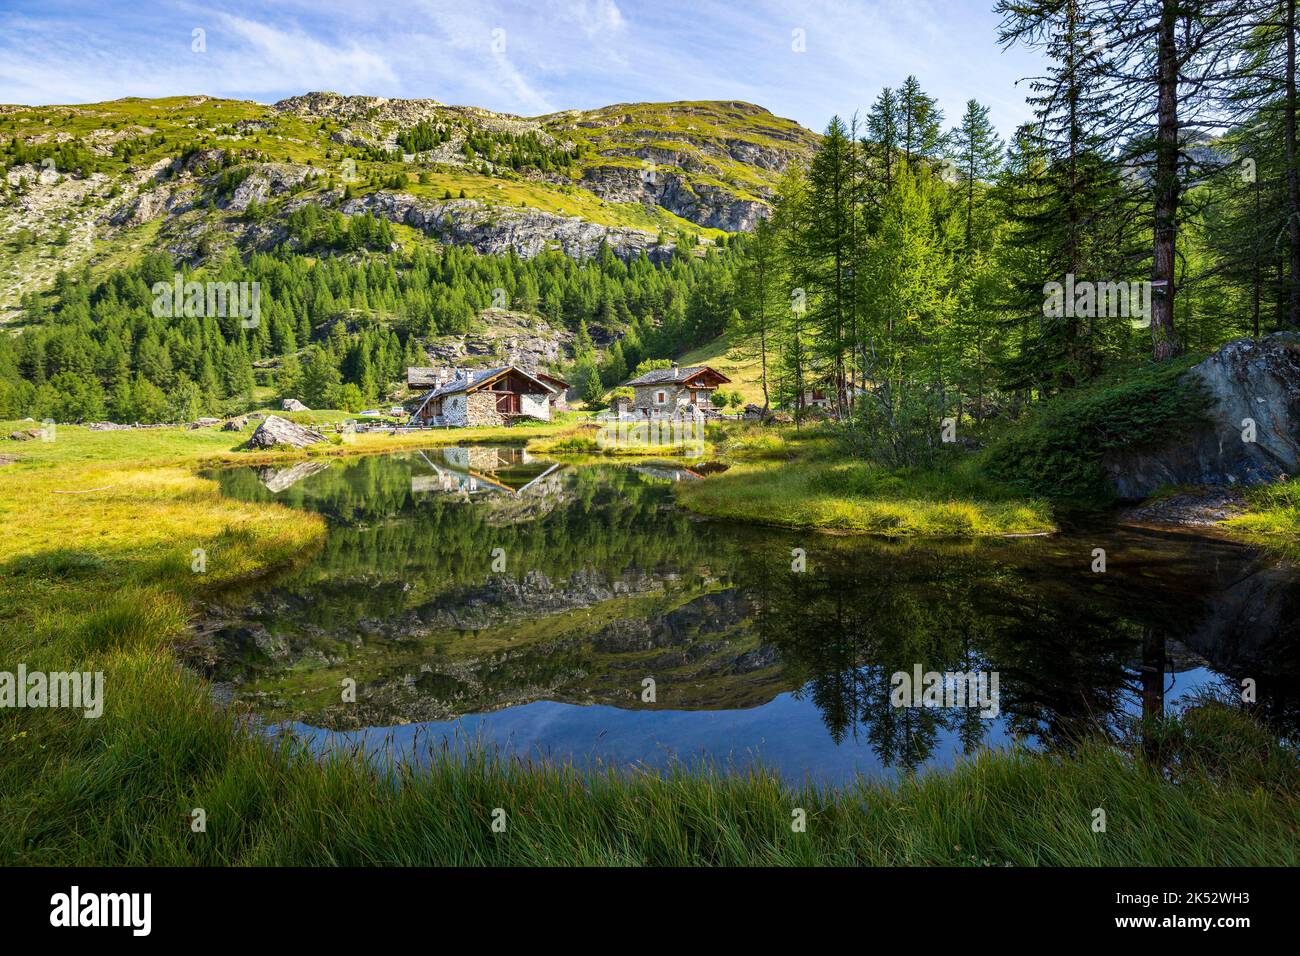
(25, 435)
(240, 422)
(1254, 387)
(276, 432)
(293, 405)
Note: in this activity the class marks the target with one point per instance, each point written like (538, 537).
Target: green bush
(1058, 450)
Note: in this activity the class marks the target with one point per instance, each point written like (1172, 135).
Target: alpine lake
(479, 596)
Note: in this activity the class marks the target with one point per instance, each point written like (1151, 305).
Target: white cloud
(482, 55)
(594, 17)
(274, 59)
(48, 62)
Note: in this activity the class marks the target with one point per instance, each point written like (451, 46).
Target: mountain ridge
(199, 175)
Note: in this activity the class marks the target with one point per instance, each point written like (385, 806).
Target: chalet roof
(421, 377)
(553, 380)
(674, 375)
(427, 377)
(471, 381)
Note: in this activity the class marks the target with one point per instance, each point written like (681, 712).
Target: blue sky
(521, 57)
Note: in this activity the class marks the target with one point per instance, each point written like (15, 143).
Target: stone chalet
(673, 391)
(489, 396)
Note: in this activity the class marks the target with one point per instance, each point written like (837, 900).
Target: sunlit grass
(172, 444)
(587, 440)
(792, 479)
(1272, 518)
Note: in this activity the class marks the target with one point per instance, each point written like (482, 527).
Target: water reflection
(481, 592)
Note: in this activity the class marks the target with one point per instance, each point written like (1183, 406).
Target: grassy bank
(1272, 518)
(173, 445)
(96, 574)
(781, 477)
(585, 440)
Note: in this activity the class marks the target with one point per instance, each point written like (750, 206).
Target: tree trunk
(1256, 271)
(762, 327)
(1292, 174)
(1164, 340)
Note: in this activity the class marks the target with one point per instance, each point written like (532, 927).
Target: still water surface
(480, 594)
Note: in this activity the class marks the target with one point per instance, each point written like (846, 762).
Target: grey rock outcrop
(500, 229)
(506, 337)
(707, 205)
(1254, 388)
(276, 432)
(267, 180)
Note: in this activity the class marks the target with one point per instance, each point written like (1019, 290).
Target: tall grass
(1273, 518)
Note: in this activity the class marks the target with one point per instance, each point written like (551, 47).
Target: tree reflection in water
(607, 582)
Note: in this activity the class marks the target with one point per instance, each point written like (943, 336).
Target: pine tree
(977, 150)
(882, 132)
(920, 123)
(320, 379)
(760, 281)
(1265, 218)
(1065, 198)
(827, 237)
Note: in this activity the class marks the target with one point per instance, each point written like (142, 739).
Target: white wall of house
(537, 404)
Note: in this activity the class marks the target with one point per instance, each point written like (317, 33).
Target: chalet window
(661, 397)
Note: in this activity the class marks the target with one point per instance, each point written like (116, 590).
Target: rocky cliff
(494, 229)
(183, 174)
(1250, 435)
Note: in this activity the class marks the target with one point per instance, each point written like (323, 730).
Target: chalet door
(508, 403)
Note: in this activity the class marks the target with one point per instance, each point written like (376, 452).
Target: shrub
(1058, 451)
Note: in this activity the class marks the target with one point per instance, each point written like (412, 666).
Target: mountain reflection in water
(481, 594)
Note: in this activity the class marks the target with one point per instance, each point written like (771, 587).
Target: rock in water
(277, 433)
(278, 479)
(1252, 434)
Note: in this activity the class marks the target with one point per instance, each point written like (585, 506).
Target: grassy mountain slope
(96, 183)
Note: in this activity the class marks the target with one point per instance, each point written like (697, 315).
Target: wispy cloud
(279, 58)
(515, 55)
(593, 17)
